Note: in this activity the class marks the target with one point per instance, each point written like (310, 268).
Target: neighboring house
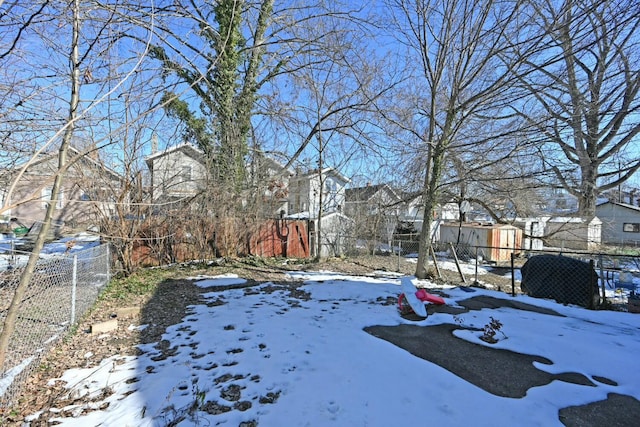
(413, 212)
(558, 201)
(177, 174)
(620, 223)
(412, 215)
(272, 181)
(336, 236)
(307, 189)
(86, 194)
(375, 209)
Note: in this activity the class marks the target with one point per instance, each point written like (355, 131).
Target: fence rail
(63, 288)
(606, 279)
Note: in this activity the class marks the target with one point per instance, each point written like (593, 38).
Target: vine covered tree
(225, 78)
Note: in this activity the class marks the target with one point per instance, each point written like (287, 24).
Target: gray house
(620, 223)
(177, 173)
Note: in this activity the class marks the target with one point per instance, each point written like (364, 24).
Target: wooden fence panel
(281, 238)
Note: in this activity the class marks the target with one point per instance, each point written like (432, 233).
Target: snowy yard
(263, 356)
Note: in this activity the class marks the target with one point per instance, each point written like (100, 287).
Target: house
(308, 190)
(375, 209)
(558, 202)
(335, 237)
(180, 173)
(271, 180)
(86, 195)
(413, 212)
(620, 223)
(177, 174)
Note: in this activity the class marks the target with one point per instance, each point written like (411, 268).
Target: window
(46, 197)
(631, 227)
(186, 173)
(561, 203)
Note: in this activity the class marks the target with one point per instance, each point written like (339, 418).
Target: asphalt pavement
(502, 372)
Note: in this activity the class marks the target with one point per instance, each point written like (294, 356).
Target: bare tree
(53, 69)
(12, 312)
(583, 93)
(334, 116)
(461, 79)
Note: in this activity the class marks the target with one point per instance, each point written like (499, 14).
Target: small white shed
(573, 233)
(334, 237)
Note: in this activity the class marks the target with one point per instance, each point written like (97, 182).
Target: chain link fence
(595, 280)
(63, 288)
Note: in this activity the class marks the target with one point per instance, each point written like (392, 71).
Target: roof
(575, 220)
(622, 205)
(187, 148)
(360, 194)
(76, 154)
(325, 171)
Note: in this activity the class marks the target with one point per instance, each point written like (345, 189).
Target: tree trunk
(430, 199)
(12, 312)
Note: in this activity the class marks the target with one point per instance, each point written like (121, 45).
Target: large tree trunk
(430, 200)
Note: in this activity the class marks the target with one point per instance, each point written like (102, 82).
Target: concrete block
(125, 312)
(102, 327)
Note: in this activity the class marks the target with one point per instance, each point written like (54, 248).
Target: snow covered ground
(277, 359)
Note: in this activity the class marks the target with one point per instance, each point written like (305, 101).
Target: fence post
(74, 284)
(476, 279)
(592, 269)
(108, 266)
(513, 275)
(602, 280)
(455, 257)
(399, 252)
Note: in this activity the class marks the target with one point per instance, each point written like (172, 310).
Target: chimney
(154, 143)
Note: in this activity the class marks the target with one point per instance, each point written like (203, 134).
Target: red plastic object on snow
(423, 296)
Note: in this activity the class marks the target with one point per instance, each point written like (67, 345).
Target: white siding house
(305, 193)
(413, 212)
(375, 209)
(85, 197)
(306, 189)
